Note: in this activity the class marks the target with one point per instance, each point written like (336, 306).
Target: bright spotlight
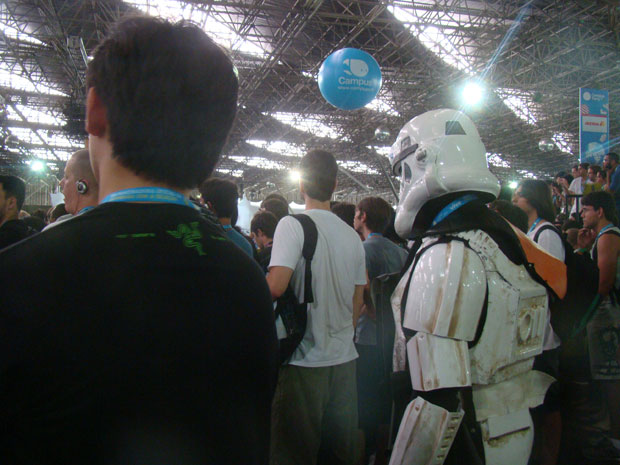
(472, 93)
(513, 184)
(295, 175)
(37, 166)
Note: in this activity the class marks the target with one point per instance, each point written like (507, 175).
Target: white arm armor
(445, 300)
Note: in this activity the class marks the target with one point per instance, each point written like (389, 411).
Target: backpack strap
(311, 235)
(546, 227)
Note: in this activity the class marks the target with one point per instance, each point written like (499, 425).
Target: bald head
(79, 184)
(80, 165)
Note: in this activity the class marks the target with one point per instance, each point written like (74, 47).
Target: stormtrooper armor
(475, 319)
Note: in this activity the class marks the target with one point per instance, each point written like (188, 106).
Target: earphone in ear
(81, 187)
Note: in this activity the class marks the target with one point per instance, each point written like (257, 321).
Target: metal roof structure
(532, 57)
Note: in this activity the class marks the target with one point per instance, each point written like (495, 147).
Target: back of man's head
(170, 95)
(318, 174)
(264, 221)
(614, 157)
(604, 200)
(378, 213)
(276, 206)
(14, 187)
(221, 196)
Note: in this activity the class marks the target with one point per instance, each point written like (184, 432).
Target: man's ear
(11, 203)
(96, 114)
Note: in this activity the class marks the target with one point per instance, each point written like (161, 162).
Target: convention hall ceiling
(532, 57)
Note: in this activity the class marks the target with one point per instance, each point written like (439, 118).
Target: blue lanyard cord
(452, 207)
(374, 234)
(150, 194)
(84, 210)
(534, 225)
(227, 226)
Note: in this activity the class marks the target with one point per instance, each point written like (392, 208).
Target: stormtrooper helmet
(438, 153)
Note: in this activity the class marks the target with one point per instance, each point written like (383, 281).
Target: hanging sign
(593, 125)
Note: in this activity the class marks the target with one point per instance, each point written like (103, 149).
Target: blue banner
(593, 125)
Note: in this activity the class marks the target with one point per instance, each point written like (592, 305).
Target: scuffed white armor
(444, 306)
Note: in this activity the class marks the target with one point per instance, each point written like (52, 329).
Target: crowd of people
(149, 335)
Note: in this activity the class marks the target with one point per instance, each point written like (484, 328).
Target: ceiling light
(295, 175)
(472, 93)
(37, 166)
(513, 184)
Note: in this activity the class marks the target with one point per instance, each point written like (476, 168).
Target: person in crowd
(37, 220)
(442, 209)
(593, 184)
(263, 227)
(570, 229)
(383, 257)
(56, 212)
(79, 187)
(345, 211)
(136, 344)
(601, 236)
(275, 205)
(315, 405)
(577, 187)
(12, 196)
(221, 197)
(612, 184)
(512, 213)
(533, 197)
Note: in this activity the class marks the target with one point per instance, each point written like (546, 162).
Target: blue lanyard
(227, 226)
(84, 210)
(374, 234)
(150, 194)
(534, 225)
(452, 207)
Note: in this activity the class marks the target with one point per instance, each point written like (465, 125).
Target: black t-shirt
(14, 231)
(134, 333)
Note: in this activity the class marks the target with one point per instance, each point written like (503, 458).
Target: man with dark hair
(136, 345)
(221, 197)
(315, 406)
(601, 236)
(12, 196)
(276, 206)
(345, 211)
(383, 257)
(610, 165)
(263, 227)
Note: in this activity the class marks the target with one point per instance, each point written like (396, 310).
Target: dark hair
(569, 224)
(345, 211)
(568, 177)
(318, 174)
(584, 165)
(614, 156)
(597, 169)
(14, 187)
(575, 167)
(266, 222)
(56, 212)
(276, 206)
(378, 213)
(511, 212)
(223, 196)
(170, 95)
(604, 200)
(537, 194)
(275, 195)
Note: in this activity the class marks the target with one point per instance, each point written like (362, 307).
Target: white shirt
(549, 241)
(338, 266)
(576, 187)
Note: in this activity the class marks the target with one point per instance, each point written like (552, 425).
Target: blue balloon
(349, 78)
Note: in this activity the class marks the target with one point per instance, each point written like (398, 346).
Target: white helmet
(438, 153)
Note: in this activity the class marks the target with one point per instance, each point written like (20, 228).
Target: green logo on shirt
(190, 235)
